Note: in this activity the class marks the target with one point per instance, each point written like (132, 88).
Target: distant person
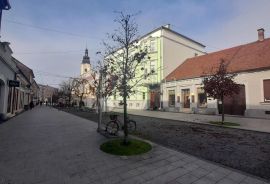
(31, 105)
(40, 103)
(46, 103)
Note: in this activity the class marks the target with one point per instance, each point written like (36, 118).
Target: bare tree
(104, 83)
(81, 88)
(220, 84)
(66, 90)
(126, 57)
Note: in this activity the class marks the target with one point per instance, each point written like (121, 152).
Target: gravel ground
(245, 150)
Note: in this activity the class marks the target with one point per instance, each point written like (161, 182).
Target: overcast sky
(50, 36)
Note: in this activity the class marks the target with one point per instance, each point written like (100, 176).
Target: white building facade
(183, 91)
(7, 73)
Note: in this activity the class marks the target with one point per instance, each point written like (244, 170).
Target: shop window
(143, 95)
(266, 90)
(171, 98)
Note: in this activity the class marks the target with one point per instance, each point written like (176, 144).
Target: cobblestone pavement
(47, 146)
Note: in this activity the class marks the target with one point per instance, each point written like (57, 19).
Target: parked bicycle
(112, 127)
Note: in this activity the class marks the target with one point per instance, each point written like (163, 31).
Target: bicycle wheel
(131, 125)
(112, 127)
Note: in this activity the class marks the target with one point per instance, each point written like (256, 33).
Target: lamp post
(4, 5)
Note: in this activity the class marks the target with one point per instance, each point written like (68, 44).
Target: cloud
(240, 28)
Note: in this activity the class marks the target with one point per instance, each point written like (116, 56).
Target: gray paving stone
(251, 180)
(199, 172)
(215, 176)
(191, 166)
(227, 181)
(236, 176)
(204, 180)
(187, 179)
(170, 176)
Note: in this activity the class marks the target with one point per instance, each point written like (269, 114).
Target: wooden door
(236, 104)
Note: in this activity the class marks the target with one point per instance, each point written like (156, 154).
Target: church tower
(85, 65)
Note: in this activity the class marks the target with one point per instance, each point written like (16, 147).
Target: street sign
(13, 83)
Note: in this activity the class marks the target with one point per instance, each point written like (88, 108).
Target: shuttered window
(266, 90)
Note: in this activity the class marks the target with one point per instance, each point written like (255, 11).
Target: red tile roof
(248, 57)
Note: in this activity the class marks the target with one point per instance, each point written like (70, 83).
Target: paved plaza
(47, 146)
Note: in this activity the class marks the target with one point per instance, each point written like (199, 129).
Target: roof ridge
(234, 47)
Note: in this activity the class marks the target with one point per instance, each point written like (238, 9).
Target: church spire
(86, 58)
(86, 52)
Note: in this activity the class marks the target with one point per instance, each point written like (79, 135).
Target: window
(130, 104)
(152, 66)
(145, 73)
(171, 98)
(153, 46)
(266, 90)
(114, 96)
(202, 98)
(178, 99)
(85, 70)
(143, 95)
(137, 104)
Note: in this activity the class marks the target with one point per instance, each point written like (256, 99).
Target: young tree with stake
(126, 57)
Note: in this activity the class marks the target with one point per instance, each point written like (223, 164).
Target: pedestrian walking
(31, 105)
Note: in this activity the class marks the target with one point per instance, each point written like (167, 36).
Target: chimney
(168, 26)
(260, 34)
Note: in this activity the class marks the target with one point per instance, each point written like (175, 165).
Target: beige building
(182, 90)
(167, 50)
(47, 93)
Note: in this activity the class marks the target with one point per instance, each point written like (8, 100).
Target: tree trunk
(222, 109)
(80, 103)
(69, 100)
(125, 119)
(100, 115)
(99, 102)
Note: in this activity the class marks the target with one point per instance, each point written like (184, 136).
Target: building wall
(171, 51)
(46, 93)
(7, 72)
(84, 67)
(176, 50)
(253, 81)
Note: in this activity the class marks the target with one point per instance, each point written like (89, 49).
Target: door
(236, 104)
(154, 100)
(186, 97)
